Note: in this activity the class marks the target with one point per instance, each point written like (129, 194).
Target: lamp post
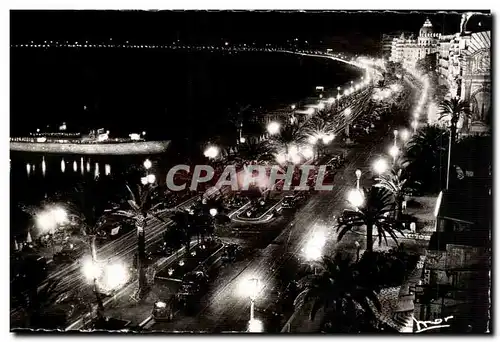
(355, 197)
(405, 135)
(347, 114)
(211, 152)
(380, 166)
(313, 250)
(140, 223)
(358, 177)
(250, 288)
(273, 128)
(394, 152)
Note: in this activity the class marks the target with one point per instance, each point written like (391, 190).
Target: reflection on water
(31, 167)
(44, 167)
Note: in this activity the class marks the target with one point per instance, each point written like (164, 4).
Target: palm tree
(393, 182)
(375, 212)
(140, 209)
(454, 109)
(291, 133)
(253, 150)
(424, 152)
(337, 289)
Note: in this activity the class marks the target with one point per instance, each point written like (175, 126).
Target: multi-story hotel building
(408, 50)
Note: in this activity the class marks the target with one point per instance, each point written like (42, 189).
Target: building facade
(464, 66)
(407, 50)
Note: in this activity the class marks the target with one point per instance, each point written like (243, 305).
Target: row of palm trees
(348, 302)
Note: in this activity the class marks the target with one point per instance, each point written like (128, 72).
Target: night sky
(116, 87)
(211, 27)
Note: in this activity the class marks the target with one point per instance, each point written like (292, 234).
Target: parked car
(231, 253)
(164, 310)
(288, 202)
(193, 285)
(66, 256)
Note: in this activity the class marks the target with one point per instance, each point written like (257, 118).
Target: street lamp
(293, 107)
(255, 326)
(380, 166)
(213, 212)
(273, 127)
(50, 218)
(355, 197)
(347, 114)
(394, 152)
(358, 177)
(405, 135)
(147, 164)
(211, 152)
(414, 125)
(338, 92)
(312, 139)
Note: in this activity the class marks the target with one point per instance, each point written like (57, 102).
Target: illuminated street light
(312, 140)
(321, 106)
(273, 128)
(211, 152)
(49, 219)
(380, 166)
(293, 107)
(115, 275)
(358, 177)
(307, 152)
(147, 164)
(255, 326)
(394, 152)
(242, 140)
(355, 197)
(281, 158)
(151, 178)
(405, 134)
(213, 212)
(91, 270)
(313, 250)
(414, 125)
(327, 138)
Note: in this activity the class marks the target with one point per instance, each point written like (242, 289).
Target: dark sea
(172, 95)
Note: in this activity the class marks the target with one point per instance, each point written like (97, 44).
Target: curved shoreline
(129, 148)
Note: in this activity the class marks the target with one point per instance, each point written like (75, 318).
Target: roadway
(225, 307)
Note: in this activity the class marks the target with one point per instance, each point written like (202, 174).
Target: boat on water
(96, 142)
